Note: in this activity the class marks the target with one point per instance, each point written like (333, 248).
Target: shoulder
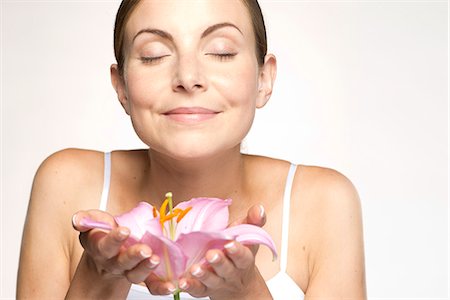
(312, 185)
(326, 199)
(328, 203)
(64, 183)
(69, 160)
(330, 222)
(69, 167)
(75, 176)
(68, 178)
(67, 181)
(326, 188)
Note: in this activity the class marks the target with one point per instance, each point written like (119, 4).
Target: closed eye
(222, 56)
(152, 59)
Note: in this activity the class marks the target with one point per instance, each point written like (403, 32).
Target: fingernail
(74, 220)
(231, 247)
(197, 272)
(123, 233)
(171, 289)
(81, 222)
(153, 262)
(214, 258)
(145, 253)
(262, 212)
(183, 284)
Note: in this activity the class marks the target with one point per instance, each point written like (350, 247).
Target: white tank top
(281, 286)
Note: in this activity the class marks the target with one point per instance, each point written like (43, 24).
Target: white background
(362, 87)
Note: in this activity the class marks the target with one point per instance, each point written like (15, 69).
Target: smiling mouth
(190, 114)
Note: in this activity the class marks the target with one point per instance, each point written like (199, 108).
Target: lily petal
(250, 234)
(204, 227)
(172, 259)
(140, 220)
(91, 224)
(196, 244)
(207, 214)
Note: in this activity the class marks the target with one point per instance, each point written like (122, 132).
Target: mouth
(190, 114)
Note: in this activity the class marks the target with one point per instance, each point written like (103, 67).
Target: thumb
(256, 215)
(83, 221)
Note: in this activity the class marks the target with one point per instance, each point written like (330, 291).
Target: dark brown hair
(127, 7)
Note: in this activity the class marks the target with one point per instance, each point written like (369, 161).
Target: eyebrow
(215, 27)
(161, 33)
(169, 37)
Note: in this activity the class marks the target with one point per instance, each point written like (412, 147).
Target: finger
(241, 256)
(141, 272)
(256, 215)
(110, 245)
(221, 265)
(130, 258)
(193, 286)
(90, 239)
(158, 287)
(205, 276)
(93, 214)
(184, 284)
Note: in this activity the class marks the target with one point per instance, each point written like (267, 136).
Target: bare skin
(325, 219)
(191, 156)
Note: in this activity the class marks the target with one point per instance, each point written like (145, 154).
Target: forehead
(188, 17)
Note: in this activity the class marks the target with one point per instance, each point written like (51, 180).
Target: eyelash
(223, 56)
(150, 60)
(219, 56)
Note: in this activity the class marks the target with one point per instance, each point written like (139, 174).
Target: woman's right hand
(106, 251)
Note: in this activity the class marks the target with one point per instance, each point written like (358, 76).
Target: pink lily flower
(182, 235)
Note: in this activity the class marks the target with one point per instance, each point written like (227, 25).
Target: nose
(188, 75)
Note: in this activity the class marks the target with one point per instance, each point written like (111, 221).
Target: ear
(267, 75)
(119, 85)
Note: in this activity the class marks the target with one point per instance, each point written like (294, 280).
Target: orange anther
(183, 213)
(168, 217)
(162, 210)
(155, 214)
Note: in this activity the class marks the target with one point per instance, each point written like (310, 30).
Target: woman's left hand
(229, 274)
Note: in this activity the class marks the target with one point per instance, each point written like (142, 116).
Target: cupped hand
(230, 273)
(107, 252)
(226, 274)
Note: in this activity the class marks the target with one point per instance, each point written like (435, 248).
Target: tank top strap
(285, 218)
(106, 181)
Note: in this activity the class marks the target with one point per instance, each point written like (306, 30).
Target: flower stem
(176, 296)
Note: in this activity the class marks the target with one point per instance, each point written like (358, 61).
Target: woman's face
(191, 79)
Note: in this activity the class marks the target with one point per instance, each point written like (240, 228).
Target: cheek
(141, 91)
(239, 86)
(240, 90)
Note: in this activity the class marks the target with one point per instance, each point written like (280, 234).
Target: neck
(220, 176)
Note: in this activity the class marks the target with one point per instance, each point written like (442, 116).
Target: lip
(191, 114)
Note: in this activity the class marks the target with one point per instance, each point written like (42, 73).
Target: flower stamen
(162, 209)
(183, 213)
(170, 215)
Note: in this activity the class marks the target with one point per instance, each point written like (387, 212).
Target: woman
(190, 74)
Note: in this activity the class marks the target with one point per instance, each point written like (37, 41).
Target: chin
(183, 145)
